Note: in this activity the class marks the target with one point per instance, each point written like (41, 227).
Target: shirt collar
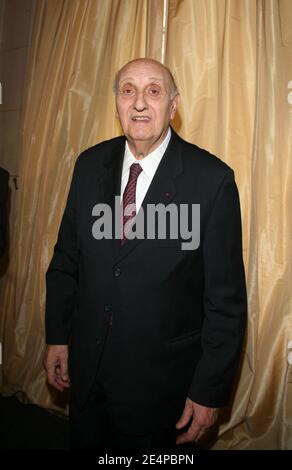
(149, 163)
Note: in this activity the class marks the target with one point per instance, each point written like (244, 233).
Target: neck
(142, 148)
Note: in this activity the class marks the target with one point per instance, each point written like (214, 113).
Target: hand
(56, 364)
(202, 419)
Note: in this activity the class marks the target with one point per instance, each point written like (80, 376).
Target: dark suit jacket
(178, 317)
(4, 178)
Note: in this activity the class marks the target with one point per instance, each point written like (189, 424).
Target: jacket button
(117, 272)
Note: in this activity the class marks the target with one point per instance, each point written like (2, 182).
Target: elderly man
(154, 331)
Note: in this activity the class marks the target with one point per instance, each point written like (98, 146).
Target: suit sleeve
(225, 305)
(62, 274)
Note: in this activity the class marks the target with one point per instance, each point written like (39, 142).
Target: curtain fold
(232, 63)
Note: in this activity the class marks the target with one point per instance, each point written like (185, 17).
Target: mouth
(140, 118)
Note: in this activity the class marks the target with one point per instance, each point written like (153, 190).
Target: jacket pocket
(184, 339)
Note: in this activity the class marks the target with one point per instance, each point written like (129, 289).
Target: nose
(140, 102)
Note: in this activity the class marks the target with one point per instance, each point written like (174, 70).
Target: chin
(139, 135)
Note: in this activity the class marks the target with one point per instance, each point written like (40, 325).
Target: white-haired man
(155, 331)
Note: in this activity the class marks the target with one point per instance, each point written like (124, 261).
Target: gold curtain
(77, 46)
(232, 63)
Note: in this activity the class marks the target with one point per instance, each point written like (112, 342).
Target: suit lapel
(109, 185)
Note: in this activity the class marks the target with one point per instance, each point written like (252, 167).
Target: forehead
(146, 72)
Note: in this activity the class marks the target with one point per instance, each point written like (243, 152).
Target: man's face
(143, 101)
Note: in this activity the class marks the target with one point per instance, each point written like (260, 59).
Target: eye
(154, 91)
(128, 91)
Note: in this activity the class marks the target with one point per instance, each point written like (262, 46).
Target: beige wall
(15, 31)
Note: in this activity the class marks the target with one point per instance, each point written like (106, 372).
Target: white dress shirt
(149, 166)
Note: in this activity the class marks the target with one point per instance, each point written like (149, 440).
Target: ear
(174, 106)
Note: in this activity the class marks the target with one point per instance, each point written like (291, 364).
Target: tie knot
(135, 171)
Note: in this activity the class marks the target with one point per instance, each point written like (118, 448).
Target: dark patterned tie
(129, 197)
